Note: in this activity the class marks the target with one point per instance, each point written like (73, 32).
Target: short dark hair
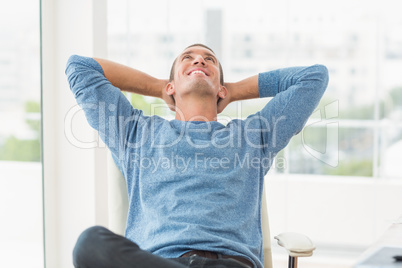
(172, 70)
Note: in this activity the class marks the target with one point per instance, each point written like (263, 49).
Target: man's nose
(199, 60)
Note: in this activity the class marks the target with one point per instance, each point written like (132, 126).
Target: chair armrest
(297, 245)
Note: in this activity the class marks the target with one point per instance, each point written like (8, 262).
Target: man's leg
(97, 247)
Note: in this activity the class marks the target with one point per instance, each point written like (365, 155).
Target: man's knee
(87, 243)
(92, 235)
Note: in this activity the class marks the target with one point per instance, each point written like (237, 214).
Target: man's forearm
(244, 89)
(132, 80)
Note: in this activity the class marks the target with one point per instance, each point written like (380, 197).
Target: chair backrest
(118, 208)
(117, 198)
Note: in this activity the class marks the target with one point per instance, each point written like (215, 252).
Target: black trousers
(98, 247)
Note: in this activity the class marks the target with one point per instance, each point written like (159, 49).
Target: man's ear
(222, 92)
(170, 90)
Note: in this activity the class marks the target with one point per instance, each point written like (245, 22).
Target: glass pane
(391, 80)
(343, 37)
(390, 105)
(21, 227)
(390, 151)
(312, 154)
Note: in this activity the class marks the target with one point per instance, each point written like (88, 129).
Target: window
(21, 226)
(362, 107)
(363, 80)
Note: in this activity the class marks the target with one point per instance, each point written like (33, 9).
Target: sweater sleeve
(296, 92)
(106, 109)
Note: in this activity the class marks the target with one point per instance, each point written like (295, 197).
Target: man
(194, 185)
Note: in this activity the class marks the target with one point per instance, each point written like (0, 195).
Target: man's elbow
(322, 75)
(73, 73)
(73, 59)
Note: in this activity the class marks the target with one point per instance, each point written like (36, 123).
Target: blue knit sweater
(197, 185)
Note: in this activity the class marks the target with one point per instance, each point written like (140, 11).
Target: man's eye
(186, 57)
(210, 58)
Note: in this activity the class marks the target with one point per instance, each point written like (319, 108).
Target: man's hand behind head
(222, 103)
(168, 98)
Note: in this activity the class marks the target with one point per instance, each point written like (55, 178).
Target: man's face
(196, 72)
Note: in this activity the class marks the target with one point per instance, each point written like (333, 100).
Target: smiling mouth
(197, 72)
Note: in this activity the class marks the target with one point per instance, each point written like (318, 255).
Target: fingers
(222, 103)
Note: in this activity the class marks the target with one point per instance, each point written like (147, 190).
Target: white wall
(21, 214)
(73, 198)
(337, 213)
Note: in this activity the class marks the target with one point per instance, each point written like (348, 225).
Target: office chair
(297, 245)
